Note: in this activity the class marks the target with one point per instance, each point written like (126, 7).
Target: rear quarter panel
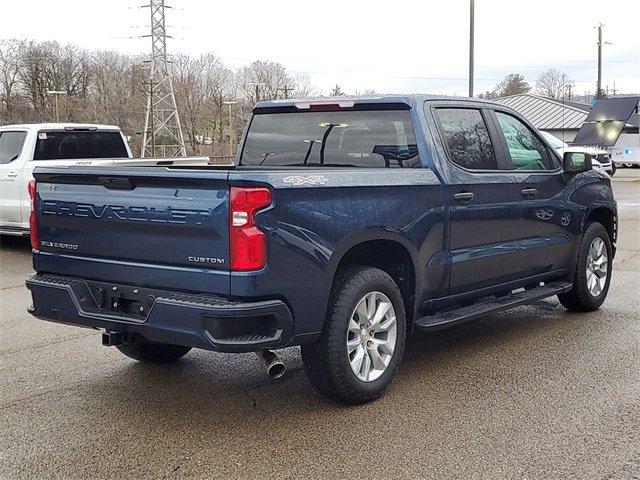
(317, 216)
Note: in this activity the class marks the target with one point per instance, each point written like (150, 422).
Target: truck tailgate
(153, 226)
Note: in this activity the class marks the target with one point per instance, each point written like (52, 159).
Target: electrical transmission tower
(162, 133)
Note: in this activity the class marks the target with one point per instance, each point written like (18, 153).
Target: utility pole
(599, 84)
(599, 90)
(162, 124)
(232, 136)
(257, 85)
(56, 94)
(471, 45)
(286, 90)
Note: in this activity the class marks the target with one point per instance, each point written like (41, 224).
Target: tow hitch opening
(114, 339)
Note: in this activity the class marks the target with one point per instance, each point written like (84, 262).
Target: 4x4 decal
(306, 179)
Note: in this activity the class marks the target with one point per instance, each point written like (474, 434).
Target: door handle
(464, 197)
(529, 192)
(12, 174)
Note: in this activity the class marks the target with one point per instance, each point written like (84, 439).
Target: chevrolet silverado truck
(344, 225)
(25, 147)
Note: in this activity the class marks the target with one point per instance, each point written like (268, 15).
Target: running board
(484, 308)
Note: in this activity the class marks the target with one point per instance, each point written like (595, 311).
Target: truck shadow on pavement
(218, 386)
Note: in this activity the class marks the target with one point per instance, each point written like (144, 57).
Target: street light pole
(232, 135)
(471, 45)
(55, 93)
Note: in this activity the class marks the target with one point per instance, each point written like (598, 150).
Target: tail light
(248, 243)
(33, 220)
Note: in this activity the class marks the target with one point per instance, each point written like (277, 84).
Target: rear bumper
(18, 231)
(200, 321)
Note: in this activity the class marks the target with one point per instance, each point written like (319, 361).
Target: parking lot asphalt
(534, 392)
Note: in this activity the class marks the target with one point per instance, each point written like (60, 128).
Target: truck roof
(59, 126)
(408, 99)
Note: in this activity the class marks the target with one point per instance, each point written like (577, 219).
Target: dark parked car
(345, 225)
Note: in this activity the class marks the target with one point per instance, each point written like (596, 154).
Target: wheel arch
(390, 254)
(607, 217)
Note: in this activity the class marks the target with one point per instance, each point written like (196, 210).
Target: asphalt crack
(248, 393)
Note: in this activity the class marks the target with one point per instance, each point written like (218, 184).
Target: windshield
(372, 138)
(73, 144)
(554, 141)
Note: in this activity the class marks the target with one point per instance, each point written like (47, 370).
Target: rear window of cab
(355, 138)
(75, 144)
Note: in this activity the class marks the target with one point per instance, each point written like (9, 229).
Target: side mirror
(576, 162)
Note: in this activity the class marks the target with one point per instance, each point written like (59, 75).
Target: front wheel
(363, 339)
(593, 272)
(613, 169)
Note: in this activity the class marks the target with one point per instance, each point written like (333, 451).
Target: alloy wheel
(371, 336)
(597, 266)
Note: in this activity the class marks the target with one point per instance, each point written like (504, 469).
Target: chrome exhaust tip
(271, 363)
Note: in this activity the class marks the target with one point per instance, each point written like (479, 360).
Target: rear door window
(69, 145)
(467, 137)
(11, 145)
(371, 138)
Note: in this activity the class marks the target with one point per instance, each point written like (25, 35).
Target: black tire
(580, 299)
(326, 361)
(613, 169)
(147, 352)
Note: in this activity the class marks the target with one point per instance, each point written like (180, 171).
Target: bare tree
(115, 91)
(10, 62)
(32, 73)
(109, 87)
(554, 84)
(269, 77)
(201, 86)
(304, 88)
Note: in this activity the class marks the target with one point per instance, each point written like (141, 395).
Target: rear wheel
(148, 352)
(593, 272)
(363, 339)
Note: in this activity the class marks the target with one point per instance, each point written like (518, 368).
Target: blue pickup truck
(344, 225)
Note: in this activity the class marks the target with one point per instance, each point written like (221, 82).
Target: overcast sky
(393, 47)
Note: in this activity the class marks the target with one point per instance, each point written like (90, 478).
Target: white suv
(600, 159)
